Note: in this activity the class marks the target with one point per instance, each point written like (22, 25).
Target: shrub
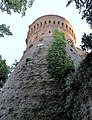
(77, 92)
(59, 64)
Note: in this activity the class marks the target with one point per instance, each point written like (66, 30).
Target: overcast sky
(12, 47)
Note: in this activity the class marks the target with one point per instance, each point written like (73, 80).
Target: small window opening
(37, 25)
(31, 29)
(66, 27)
(49, 21)
(34, 27)
(58, 22)
(41, 23)
(71, 50)
(62, 24)
(72, 32)
(54, 22)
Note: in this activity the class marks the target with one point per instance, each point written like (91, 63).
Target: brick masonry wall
(44, 27)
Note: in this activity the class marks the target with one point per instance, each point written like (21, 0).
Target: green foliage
(85, 7)
(17, 6)
(10, 6)
(3, 72)
(59, 64)
(4, 30)
(87, 42)
(77, 92)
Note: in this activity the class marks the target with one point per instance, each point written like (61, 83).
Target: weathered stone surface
(30, 93)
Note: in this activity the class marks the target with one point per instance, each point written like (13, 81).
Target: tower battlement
(45, 25)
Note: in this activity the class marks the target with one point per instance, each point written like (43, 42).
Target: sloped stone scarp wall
(30, 93)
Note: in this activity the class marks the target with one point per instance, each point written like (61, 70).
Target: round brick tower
(44, 27)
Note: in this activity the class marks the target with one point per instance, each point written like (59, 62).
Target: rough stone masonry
(30, 93)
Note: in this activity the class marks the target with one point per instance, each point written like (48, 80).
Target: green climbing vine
(59, 63)
(76, 86)
(77, 92)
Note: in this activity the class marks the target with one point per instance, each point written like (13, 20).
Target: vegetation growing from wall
(79, 85)
(77, 92)
(76, 87)
(59, 64)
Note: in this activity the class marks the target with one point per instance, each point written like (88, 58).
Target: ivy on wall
(76, 87)
(59, 63)
(78, 92)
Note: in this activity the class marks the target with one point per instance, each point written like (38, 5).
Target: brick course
(44, 27)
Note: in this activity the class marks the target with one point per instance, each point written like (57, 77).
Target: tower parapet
(44, 27)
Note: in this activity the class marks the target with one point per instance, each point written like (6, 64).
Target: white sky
(12, 47)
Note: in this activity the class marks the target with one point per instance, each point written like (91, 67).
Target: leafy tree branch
(4, 30)
(10, 6)
(86, 42)
(85, 7)
(17, 6)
